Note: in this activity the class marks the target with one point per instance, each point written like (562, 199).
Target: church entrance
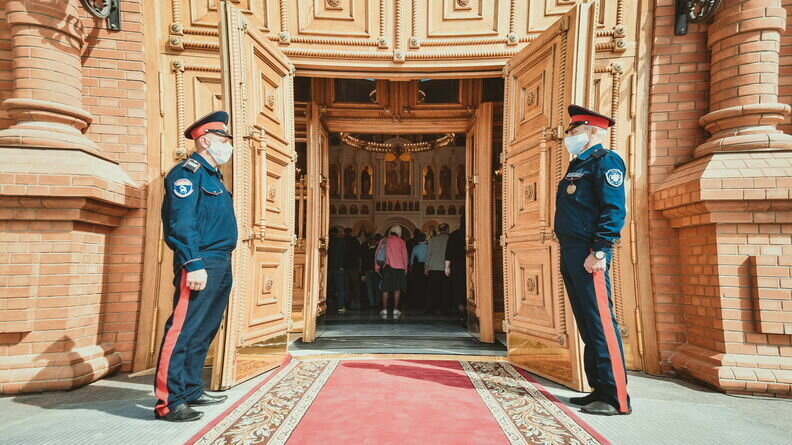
(416, 185)
(305, 163)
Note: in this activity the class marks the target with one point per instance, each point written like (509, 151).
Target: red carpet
(401, 402)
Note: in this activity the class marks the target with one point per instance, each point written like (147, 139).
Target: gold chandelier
(395, 151)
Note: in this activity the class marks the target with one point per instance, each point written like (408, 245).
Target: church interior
(388, 175)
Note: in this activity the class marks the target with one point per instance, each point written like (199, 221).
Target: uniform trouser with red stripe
(188, 333)
(590, 298)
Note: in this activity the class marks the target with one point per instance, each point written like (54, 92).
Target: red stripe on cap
(179, 314)
(592, 120)
(617, 366)
(200, 130)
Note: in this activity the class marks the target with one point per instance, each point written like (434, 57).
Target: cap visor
(220, 132)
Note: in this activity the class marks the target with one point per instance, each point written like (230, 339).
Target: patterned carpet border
(525, 411)
(264, 404)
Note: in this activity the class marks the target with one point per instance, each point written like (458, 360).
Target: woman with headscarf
(393, 269)
(455, 260)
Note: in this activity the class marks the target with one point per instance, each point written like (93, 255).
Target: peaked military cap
(214, 122)
(583, 116)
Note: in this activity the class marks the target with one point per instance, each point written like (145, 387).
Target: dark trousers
(590, 298)
(188, 333)
(439, 291)
(417, 286)
(335, 284)
(373, 279)
(352, 279)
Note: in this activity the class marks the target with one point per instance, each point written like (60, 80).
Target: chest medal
(572, 177)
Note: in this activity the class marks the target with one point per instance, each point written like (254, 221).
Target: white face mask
(220, 151)
(574, 144)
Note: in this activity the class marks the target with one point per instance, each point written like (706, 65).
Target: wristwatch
(599, 254)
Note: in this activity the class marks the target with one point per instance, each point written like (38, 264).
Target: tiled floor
(118, 410)
(366, 332)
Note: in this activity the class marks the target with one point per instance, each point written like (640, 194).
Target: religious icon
(428, 182)
(334, 181)
(365, 183)
(445, 182)
(460, 181)
(397, 177)
(350, 177)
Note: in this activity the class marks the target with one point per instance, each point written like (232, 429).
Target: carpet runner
(397, 402)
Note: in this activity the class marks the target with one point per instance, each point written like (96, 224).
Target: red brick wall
(679, 96)
(696, 271)
(93, 296)
(785, 70)
(114, 92)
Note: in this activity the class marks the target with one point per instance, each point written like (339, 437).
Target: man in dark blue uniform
(199, 225)
(590, 213)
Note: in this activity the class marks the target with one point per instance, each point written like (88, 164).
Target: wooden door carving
(257, 80)
(478, 225)
(318, 222)
(555, 70)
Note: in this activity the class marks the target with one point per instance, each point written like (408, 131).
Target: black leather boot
(601, 408)
(207, 399)
(181, 413)
(585, 400)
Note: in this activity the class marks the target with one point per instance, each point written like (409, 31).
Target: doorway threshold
(413, 345)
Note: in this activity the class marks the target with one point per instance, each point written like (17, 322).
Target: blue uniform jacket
(197, 213)
(590, 202)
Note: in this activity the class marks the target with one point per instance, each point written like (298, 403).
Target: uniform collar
(586, 154)
(205, 164)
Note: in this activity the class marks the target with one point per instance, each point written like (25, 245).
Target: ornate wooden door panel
(550, 73)
(478, 224)
(258, 93)
(393, 36)
(318, 223)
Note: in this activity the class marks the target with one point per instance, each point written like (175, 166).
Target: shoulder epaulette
(599, 152)
(192, 165)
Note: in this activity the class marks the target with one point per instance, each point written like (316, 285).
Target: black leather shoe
(601, 408)
(181, 413)
(207, 399)
(584, 400)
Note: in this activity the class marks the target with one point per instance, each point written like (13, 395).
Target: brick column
(60, 200)
(731, 206)
(745, 40)
(46, 42)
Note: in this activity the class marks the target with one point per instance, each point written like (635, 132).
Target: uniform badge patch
(615, 177)
(182, 188)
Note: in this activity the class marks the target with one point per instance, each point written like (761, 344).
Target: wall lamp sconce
(106, 9)
(693, 11)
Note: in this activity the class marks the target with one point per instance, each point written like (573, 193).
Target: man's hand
(592, 264)
(363, 278)
(196, 280)
(448, 271)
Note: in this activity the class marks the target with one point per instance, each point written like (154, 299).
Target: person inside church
(370, 278)
(439, 286)
(335, 266)
(417, 278)
(393, 268)
(352, 269)
(455, 269)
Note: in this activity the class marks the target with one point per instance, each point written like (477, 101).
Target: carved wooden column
(46, 42)
(745, 42)
(732, 207)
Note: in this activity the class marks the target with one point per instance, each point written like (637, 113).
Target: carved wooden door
(553, 71)
(318, 224)
(478, 224)
(257, 81)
